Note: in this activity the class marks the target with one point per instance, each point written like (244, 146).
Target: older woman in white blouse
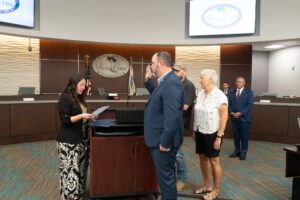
(211, 113)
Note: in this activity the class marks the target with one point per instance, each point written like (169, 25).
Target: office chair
(101, 91)
(25, 91)
(142, 92)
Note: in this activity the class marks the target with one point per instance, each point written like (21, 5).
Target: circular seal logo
(110, 65)
(7, 6)
(222, 15)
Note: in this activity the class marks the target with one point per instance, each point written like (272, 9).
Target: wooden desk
(292, 162)
(38, 120)
(293, 169)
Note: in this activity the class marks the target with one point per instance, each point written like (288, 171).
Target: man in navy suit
(239, 109)
(163, 125)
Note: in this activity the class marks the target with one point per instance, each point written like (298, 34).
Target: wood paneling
(33, 119)
(59, 60)
(236, 60)
(236, 54)
(4, 119)
(269, 120)
(294, 122)
(120, 165)
(230, 72)
(55, 75)
(25, 122)
(273, 123)
(292, 163)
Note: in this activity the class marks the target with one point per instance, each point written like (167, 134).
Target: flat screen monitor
(221, 17)
(17, 12)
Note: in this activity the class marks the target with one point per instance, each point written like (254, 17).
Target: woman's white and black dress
(70, 144)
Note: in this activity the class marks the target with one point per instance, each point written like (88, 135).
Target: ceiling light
(274, 46)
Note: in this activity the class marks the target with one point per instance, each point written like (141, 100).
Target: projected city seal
(221, 15)
(8, 6)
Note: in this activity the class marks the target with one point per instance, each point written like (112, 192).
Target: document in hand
(100, 110)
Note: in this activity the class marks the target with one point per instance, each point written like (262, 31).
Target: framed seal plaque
(110, 65)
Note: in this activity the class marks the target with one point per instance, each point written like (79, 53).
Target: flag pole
(142, 71)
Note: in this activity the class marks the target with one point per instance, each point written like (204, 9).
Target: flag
(88, 84)
(131, 85)
(88, 76)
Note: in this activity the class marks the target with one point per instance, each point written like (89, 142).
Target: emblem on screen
(222, 15)
(7, 6)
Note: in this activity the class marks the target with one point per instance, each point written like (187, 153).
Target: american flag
(88, 76)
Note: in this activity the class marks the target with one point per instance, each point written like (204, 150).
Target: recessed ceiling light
(274, 46)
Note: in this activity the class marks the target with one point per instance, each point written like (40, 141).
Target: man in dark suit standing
(226, 89)
(239, 109)
(163, 125)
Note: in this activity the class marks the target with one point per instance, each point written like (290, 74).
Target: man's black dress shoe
(234, 154)
(243, 157)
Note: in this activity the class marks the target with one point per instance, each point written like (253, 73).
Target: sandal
(202, 190)
(210, 196)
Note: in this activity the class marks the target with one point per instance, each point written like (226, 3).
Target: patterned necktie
(238, 95)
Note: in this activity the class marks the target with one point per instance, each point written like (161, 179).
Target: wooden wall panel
(269, 120)
(236, 60)
(230, 72)
(236, 54)
(294, 124)
(4, 119)
(33, 119)
(55, 49)
(55, 74)
(60, 59)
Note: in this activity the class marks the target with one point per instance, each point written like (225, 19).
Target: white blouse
(206, 111)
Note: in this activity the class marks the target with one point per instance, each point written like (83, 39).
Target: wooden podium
(120, 163)
(292, 169)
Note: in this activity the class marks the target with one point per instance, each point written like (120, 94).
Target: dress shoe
(243, 157)
(234, 154)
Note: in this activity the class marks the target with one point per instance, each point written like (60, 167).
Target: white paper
(100, 110)
(28, 99)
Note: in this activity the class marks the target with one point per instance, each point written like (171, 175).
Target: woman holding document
(72, 110)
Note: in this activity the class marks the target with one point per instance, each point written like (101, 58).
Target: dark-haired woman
(73, 114)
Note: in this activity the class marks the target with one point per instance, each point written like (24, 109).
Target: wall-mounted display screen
(221, 17)
(17, 12)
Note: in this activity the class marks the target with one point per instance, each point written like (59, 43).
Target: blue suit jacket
(163, 122)
(244, 105)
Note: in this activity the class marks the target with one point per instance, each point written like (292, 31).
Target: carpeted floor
(28, 171)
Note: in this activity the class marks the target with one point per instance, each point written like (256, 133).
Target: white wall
(284, 71)
(260, 72)
(147, 22)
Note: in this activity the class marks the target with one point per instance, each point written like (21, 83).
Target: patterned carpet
(29, 172)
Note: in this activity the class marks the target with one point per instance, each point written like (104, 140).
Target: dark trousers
(241, 136)
(164, 163)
